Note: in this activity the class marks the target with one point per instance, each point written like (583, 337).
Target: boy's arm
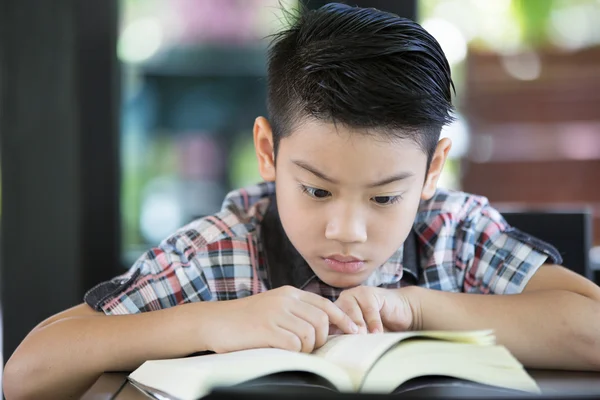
(64, 355)
(554, 323)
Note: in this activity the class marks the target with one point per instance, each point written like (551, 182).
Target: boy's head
(357, 99)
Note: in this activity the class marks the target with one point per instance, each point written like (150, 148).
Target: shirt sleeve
(498, 258)
(163, 277)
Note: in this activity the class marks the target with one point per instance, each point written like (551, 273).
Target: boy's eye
(316, 193)
(386, 200)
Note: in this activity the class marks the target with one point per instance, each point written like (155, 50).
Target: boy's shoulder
(212, 257)
(450, 215)
(467, 245)
(455, 207)
(241, 213)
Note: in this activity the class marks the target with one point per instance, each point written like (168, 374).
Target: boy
(348, 233)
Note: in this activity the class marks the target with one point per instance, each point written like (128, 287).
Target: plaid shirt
(458, 243)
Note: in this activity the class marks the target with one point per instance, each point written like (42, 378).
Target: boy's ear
(263, 145)
(436, 167)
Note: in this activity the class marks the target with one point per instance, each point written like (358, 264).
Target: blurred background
(122, 120)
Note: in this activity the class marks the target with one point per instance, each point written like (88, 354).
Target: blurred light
(161, 211)
(140, 40)
(579, 143)
(492, 7)
(458, 133)
(243, 168)
(496, 25)
(483, 148)
(448, 179)
(572, 27)
(460, 13)
(525, 65)
(450, 38)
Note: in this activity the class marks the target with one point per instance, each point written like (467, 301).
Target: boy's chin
(339, 280)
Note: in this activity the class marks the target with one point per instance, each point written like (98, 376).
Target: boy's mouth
(343, 259)
(345, 264)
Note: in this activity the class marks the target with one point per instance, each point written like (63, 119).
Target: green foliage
(532, 17)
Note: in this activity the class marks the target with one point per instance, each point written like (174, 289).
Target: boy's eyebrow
(382, 182)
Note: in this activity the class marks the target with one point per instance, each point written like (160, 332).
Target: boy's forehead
(351, 155)
(318, 135)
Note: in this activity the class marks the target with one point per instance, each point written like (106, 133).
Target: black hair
(362, 68)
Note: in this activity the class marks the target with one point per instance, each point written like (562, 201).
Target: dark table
(559, 384)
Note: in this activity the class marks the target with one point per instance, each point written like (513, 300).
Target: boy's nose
(346, 226)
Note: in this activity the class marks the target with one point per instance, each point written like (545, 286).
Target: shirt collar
(286, 266)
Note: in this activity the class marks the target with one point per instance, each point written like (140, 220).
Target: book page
(490, 365)
(194, 377)
(358, 353)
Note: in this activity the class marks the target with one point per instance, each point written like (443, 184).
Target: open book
(368, 363)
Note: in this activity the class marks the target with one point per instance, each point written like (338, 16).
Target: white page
(357, 353)
(491, 365)
(193, 377)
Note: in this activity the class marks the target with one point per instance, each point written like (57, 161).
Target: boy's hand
(285, 318)
(376, 310)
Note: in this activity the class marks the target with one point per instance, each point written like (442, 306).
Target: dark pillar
(59, 156)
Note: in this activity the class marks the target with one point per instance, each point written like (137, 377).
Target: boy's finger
(315, 317)
(302, 329)
(334, 330)
(351, 307)
(336, 315)
(371, 313)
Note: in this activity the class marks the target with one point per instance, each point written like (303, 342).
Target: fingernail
(354, 328)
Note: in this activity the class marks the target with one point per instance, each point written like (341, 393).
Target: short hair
(362, 68)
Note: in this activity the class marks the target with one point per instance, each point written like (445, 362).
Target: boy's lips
(345, 264)
(343, 259)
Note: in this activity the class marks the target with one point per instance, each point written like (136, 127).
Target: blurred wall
(535, 142)
(527, 77)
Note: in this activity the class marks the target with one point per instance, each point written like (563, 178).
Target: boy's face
(347, 200)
